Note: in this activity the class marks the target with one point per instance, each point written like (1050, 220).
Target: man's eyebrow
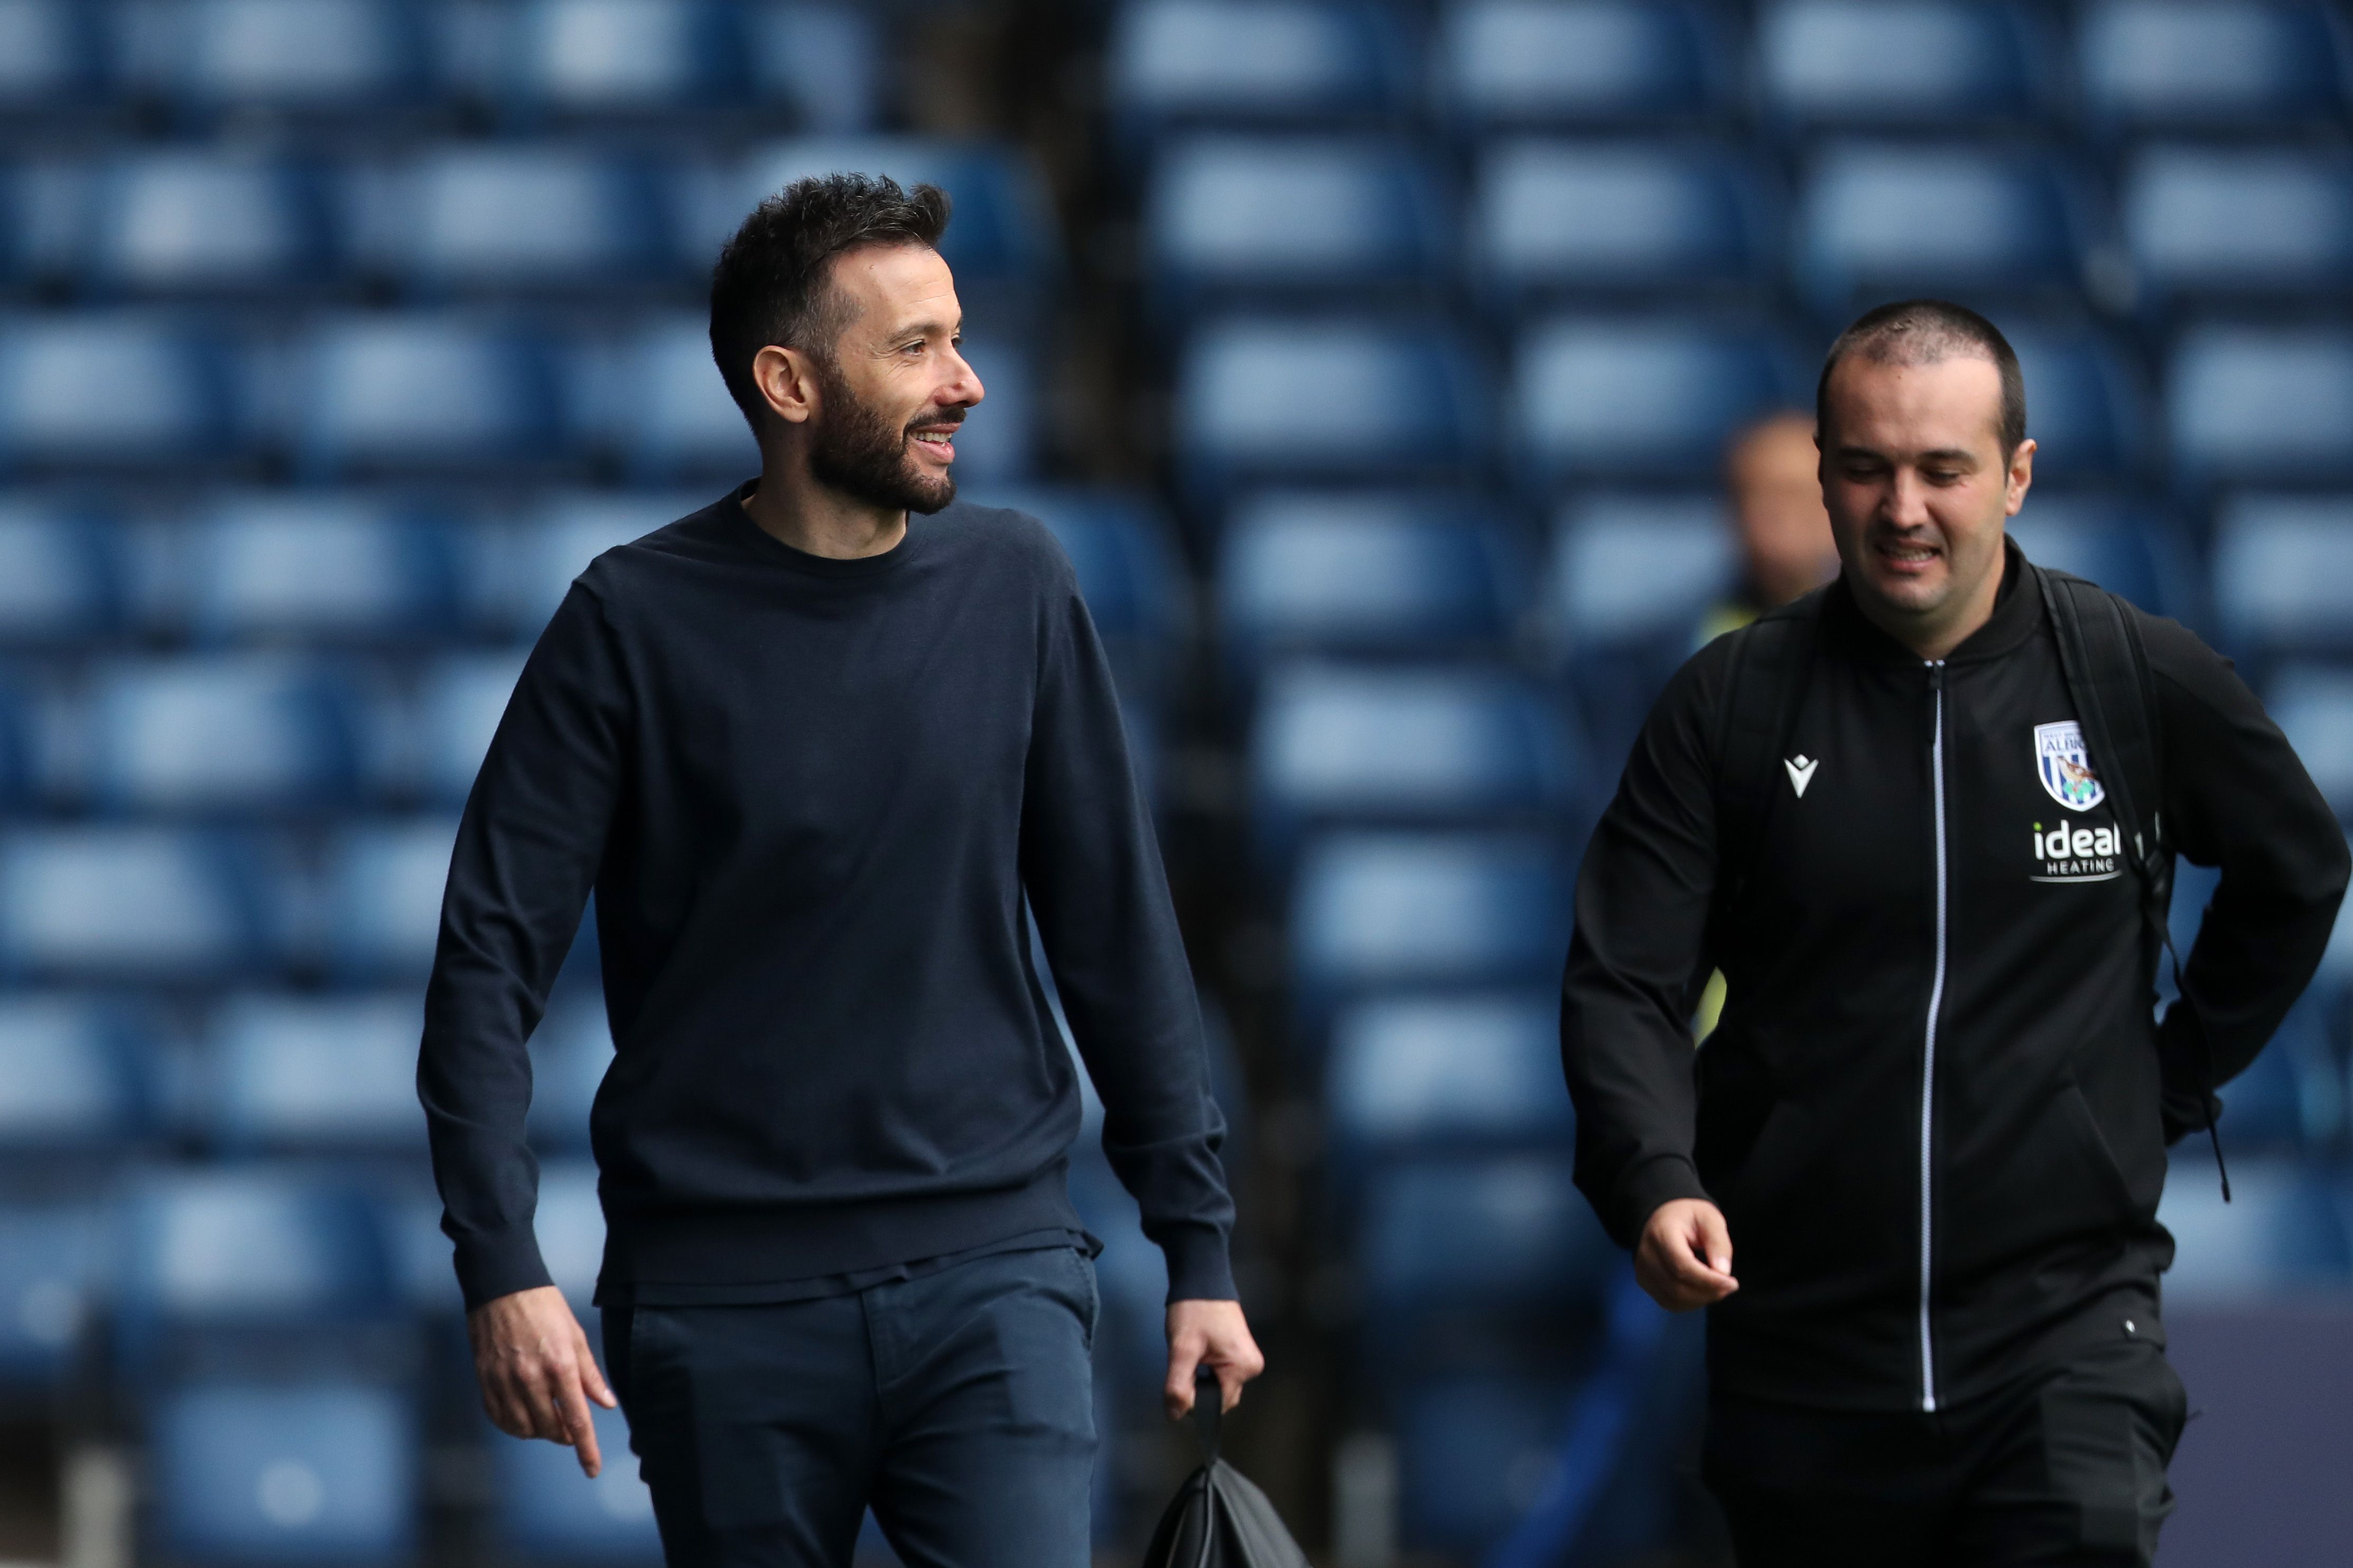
(1951, 456)
(932, 328)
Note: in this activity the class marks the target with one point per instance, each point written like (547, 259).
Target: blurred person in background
(1934, 1114)
(822, 749)
(1774, 495)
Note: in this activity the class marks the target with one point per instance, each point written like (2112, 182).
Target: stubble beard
(857, 449)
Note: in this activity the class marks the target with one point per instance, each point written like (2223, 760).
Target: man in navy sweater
(820, 760)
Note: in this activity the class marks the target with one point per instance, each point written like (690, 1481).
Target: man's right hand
(1684, 1258)
(536, 1373)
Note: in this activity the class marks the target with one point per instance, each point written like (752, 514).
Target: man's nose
(964, 386)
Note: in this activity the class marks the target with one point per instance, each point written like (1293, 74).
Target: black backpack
(2108, 675)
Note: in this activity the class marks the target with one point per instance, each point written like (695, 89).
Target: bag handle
(1209, 1412)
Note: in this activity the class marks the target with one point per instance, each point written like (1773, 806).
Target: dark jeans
(959, 1406)
(2066, 1468)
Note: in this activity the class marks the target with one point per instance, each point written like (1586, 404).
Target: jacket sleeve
(527, 854)
(1644, 895)
(2237, 798)
(1090, 865)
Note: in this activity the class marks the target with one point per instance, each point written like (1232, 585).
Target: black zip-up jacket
(1933, 1110)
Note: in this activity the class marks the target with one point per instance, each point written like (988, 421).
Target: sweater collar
(737, 526)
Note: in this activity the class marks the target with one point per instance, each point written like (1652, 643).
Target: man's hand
(536, 1373)
(1211, 1334)
(1684, 1258)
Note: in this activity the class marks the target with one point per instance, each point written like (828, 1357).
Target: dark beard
(856, 450)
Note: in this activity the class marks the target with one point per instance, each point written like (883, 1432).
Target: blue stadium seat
(1130, 573)
(1899, 62)
(421, 1255)
(1255, 61)
(1884, 221)
(128, 903)
(315, 1473)
(242, 733)
(270, 565)
(570, 1225)
(1337, 743)
(678, 420)
(1603, 398)
(1473, 1452)
(51, 1277)
(2121, 548)
(2217, 221)
(529, 220)
(569, 530)
(68, 1080)
(2264, 405)
(199, 223)
(2280, 1234)
(426, 395)
(1396, 910)
(1629, 568)
(1271, 398)
(823, 62)
(61, 578)
(325, 59)
(461, 698)
(1564, 218)
(999, 442)
(545, 1511)
(1390, 572)
(1489, 1232)
(322, 1075)
(2291, 1100)
(2084, 408)
(381, 898)
(104, 393)
(51, 56)
(1578, 62)
(1235, 215)
(1423, 1073)
(569, 1053)
(628, 58)
(2312, 705)
(2283, 572)
(2208, 63)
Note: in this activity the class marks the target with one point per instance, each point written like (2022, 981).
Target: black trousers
(2067, 1466)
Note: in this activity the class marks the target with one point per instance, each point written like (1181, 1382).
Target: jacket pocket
(2108, 1175)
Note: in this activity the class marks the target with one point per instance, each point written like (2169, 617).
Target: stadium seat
(1884, 221)
(105, 394)
(59, 577)
(421, 1255)
(1899, 62)
(1254, 61)
(1484, 1233)
(823, 62)
(1577, 63)
(1290, 399)
(529, 220)
(130, 903)
(623, 59)
(1475, 1450)
(2283, 574)
(544, 1510)
(1554, 218)
(2230, 221)
(1134, 583)
(235, 732)
(565, 533)
(569, 1053)
(1369, 744)
(2312, 705)
(999, 442)
(272, 566)
(2265, 405)
(1245, 216)
(2202, 64)
(2122, 548)
(426, 395)
(318, 60)
(1627, 568)
(2292, 1099)
(2084, 408)
(67, 1078)
(1388, 571)
(317, 1473)
(461, 698)
(678, 420)
(2279, 1235)
(317, 1075)
(51, 57)
(52, 1267)
(199, 223)
(1407, 1074)
(1605, 398)
(381, 902)
(570, 1224)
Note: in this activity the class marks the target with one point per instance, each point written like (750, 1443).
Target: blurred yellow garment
(1727, 617)
(1711, 1009)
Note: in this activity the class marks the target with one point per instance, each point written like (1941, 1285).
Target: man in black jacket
(822, 761)
(1934, 1114)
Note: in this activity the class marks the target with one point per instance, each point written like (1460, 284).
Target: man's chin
(927, 493)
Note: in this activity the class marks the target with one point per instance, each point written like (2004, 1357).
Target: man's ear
(2021, 477)
(788, 382)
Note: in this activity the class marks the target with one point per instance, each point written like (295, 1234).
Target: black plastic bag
(1219, 1519)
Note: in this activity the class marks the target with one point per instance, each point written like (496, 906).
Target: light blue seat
(1578, 62)
(313, 568)
(403, 394)
(997, 443)
(1232, 214)
(2124, 549)
(2233, 221)
(2283, 572)
(2312, 705)
(570, 1225)
(2208, 63)
(1564, 216)
(53, 1267)
(1628, 568)
(1254, 61)
(1130, 573)
(330, 59)
(2264, 405)
(1408, 1073)
(106, 394)
(1388, 571)
(1498, 1233)
(678, 420)
(381, 902)
(627, 58)
(2087, 411)
(820, 60)
(332, 1075)
(1606, 398)
(562, 534)
(128, 903)
(199, 223)
(1267, 398)
(529, 220)
(2280, 1234)
(460, 698)
(544, 1510)
(1899, 62)
(1883, 220)
(51, 56)
(313, 1473)
(233, 733)
(68, 1080)
(60, 579)
(570, 1051)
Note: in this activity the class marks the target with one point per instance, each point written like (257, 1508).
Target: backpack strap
(1764, 686)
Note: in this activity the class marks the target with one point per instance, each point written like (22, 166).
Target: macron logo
(1801, 773)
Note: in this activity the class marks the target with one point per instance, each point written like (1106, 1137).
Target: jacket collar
(2017, 616)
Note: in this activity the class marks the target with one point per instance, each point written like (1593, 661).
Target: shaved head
(1929, 332)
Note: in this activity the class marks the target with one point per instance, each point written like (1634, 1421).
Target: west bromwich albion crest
(2066, 767)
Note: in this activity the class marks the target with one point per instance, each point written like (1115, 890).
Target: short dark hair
(773, 282)
(1923, 332)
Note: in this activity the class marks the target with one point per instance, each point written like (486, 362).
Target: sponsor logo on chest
(2065, 852)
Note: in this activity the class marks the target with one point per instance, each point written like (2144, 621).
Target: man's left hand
(1212, 1334)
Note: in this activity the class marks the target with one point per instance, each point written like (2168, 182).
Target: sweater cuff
(1199, 1268)
(500, 1263)
(1644, 1188)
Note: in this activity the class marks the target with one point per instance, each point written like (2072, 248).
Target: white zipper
(1928, 1058)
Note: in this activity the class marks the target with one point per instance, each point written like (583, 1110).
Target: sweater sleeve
(1643, 901)
(527, 854)
(1091, 868)
(2237, 798)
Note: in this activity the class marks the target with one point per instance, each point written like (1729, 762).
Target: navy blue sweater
(810, 795)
